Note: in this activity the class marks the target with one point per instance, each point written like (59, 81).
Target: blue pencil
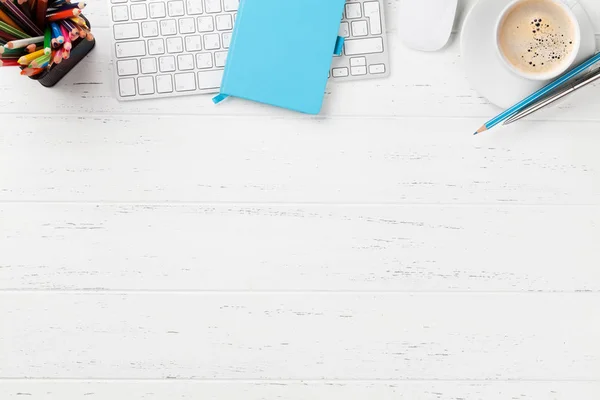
(540, 93)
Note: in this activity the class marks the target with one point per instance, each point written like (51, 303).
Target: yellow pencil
(27, 59)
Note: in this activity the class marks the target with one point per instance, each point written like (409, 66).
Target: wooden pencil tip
(482, 129)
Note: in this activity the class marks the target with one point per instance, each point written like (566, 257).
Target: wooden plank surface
(303, 247)
(174, 249)
(296, 390)
(301, 336)
(348, 160)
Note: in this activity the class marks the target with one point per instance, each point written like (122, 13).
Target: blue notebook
(281, 51)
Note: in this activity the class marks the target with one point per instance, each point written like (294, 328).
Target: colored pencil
(7, 51)
(26, 10)
(80, 22)
(56, 33)
(63, 7)
(40, 13)
(63, 15)
(21, 18)
(9, 63)
(71, 27)
(539, 94)
(570, 88)
(67, 45)
(57, 56)
(48, 40)
(8, 20)
(31, 71)
(22, 43)
(27, 59)
(13, 31)
(7, 36)
(40, 62)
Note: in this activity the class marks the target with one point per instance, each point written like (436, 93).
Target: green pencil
(48, 40)
(13, 31)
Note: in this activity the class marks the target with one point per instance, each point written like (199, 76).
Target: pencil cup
(80, 49)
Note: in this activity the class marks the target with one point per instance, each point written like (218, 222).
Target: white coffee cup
(565, 5)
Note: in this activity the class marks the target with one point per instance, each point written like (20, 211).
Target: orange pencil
(64, 15)
(7, 20)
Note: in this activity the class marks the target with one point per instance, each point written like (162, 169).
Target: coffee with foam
(537, 37)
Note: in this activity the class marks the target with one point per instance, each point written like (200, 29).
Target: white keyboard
(366, 52)
(165, 48)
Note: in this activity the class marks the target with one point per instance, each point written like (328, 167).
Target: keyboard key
(156, 46)
(185, 62)
(344, 30)
(205, 24)
(174, 45)
(231, 5)
(138, 11)
(126, 31)
(224, 22)
(120, 14)
(130, 49)
(358, 61)
(377, 69)
(145, 85)
(187, 25)
(226, 39)
(220, 58)
(358, 71)
(157, 10)
(359, 28)
(168, 27)
(164, 84)
(166, 64)
(175, 8)
(127, 87)
(353, 10)
(213, 6)
(212, 41)
(373, 13)
(193, 43)
(149, 29)
(118, 1)
(185, 82)
(210, 79)
(340, 72)
(148, 66)
(194, 7)
(127, 67)
(204, 60)
(353, 47)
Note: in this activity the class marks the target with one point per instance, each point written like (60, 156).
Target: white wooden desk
(180, 250)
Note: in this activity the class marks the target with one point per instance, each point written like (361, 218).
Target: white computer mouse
(426, 25)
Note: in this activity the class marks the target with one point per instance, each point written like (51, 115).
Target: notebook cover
(281, 51)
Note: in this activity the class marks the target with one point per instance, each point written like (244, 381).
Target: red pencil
(9, 63)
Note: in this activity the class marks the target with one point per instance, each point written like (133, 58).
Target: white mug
(567, 6)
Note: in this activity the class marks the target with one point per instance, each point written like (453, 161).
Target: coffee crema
(537, 36)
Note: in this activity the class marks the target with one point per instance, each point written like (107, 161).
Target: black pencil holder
(80, 49)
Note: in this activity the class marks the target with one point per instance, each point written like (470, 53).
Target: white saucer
(485, 71)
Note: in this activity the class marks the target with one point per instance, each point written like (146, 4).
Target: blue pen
(543, 91)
